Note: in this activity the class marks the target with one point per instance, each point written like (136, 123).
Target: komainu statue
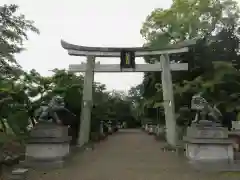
(204, 110)
(54, 112)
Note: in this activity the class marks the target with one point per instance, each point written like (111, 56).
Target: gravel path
(129, 155)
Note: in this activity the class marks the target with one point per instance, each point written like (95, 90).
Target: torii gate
(129, 54)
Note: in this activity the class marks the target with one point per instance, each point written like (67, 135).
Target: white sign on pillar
(168, 99)
(87, 102)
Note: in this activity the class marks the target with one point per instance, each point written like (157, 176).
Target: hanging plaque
(127, 59)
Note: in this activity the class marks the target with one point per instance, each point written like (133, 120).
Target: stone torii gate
(129, 54)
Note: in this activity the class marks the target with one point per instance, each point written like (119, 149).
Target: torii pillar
(168, 101)
(87, 102)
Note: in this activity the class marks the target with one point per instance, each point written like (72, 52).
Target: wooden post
(169, 108)
(87, 101)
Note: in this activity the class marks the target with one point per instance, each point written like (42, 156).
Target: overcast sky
(84, 22)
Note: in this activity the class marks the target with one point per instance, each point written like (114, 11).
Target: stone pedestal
(19, 174)
(150, 129)
(160, 133)
(208, 146)
(236, 125)
(48, 145)
(155, 129)
(146, 127)
(110, 129)
(235, 136)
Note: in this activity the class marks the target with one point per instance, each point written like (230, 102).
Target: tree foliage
(213, 61)
(13, 31)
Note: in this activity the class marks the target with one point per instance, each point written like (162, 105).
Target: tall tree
(13, 31)
(215, 25)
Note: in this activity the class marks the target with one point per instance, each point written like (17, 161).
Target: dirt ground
(129, 155)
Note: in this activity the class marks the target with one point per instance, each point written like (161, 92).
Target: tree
(189, 19)
(15, 104)
(215, 26)
(13, 30)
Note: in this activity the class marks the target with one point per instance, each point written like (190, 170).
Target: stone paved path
(129, 155)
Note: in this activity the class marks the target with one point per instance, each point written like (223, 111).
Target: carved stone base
(46, 155)
(209, 152)
(207, 132)
(44, 164)
(216, 166)
(48, 146)
(19, 174)
(47, 151)
(209, 146)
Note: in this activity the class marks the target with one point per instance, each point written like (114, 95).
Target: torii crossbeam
(164, 66)
(116, 67)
